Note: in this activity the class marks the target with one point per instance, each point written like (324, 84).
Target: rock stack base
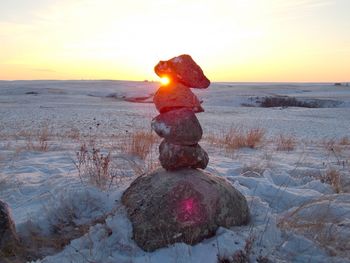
(186, 205)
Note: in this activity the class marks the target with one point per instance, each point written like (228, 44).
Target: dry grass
(344, 141)
(338, 150)
(63, 214)
(323, 237)
(255, 170)
(41, 142)
(285, 143)
(236, 138)
(149, 165)
(97, 165)
(140, 143)
(331, 145)
(254, 137)
(336, 146)
(320, 224)
(240, 256)
(32, 140)
(332, 177)
(73, 134)
(20, 257)
(99, 168)
(93, 165)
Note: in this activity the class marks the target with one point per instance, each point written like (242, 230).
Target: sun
(164, 80)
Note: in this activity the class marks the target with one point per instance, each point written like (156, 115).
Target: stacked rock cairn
(177, 122)
(180, 203)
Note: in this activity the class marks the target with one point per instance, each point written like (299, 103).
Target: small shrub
(93, 164)
(285, 143)
(100, 168)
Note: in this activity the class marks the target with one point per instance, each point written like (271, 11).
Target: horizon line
(124, 80)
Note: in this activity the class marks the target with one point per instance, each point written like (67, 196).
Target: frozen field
(299, 198)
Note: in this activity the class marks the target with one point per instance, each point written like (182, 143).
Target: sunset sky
(232, 40)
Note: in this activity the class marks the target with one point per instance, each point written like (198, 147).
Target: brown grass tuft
(35, 140)
(344, 141)
(236, 138)
(285, 143)
(332, 177)
(140, 143)
(254, 137)
(73, 134)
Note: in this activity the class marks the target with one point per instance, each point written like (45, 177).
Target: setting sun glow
(234, 40)
(164, 81)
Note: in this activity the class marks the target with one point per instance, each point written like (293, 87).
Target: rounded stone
(178, 127)
(183, 206)
(8, 237)
(174, 156)
(183, 69)
(176, 96)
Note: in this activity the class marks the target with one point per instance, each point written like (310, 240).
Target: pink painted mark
(189, 207)
(189, 211)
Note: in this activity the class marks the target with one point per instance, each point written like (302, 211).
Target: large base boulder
(186, 205)
(8, 238)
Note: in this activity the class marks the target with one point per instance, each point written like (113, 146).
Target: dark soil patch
(32, 93)
(284, 102)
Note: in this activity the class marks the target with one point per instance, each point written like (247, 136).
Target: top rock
(183, 69)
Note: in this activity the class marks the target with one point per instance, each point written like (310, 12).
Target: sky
(232, 40)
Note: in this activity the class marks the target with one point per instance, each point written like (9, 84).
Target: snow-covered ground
(299, 199)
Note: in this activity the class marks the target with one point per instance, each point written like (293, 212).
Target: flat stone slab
(187, 205)
(178, 127)
(183, 69)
